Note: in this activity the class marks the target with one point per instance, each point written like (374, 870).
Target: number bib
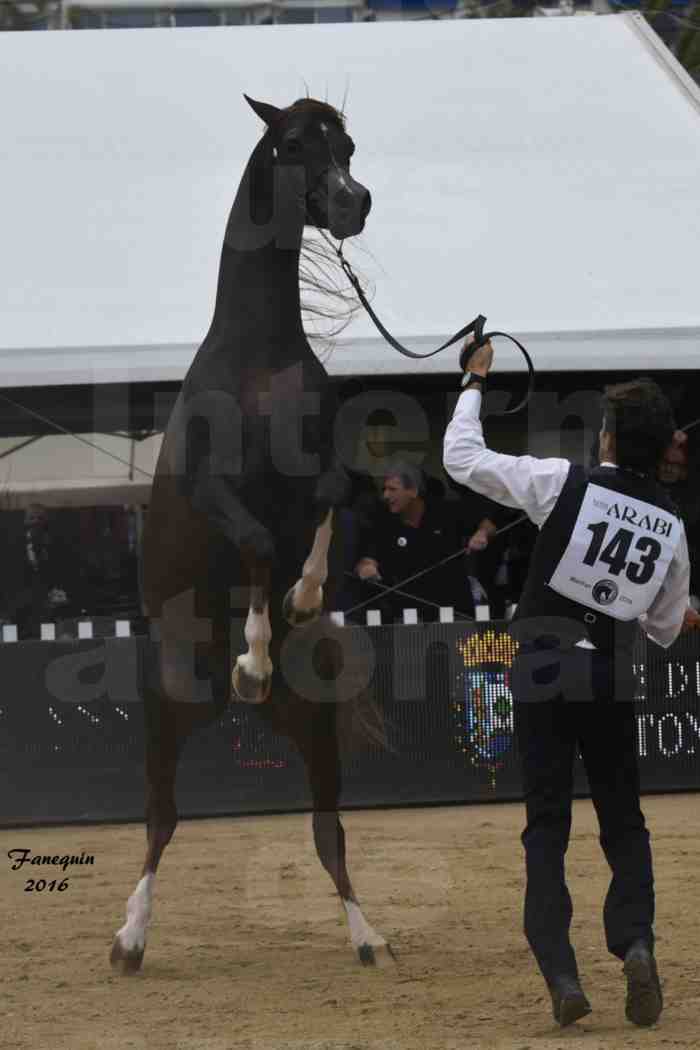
(618, 554)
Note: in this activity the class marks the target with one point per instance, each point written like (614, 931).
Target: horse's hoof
(250, 688)
(299, 617)
(379, 955)
(126, 961)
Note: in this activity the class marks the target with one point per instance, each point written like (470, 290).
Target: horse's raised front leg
(252, 672)
(217, 497)
(303, 603)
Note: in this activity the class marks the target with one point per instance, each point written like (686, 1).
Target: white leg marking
(308, 591)
(253, 670)
(258, 634)
(360, 930)
(132, 935)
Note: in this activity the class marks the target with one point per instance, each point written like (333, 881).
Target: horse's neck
(260, 289)
(258, 301)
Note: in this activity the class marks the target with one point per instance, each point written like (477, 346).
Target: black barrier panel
(72, 740)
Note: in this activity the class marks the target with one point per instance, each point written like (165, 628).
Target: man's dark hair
(640, 418)
(410, 476)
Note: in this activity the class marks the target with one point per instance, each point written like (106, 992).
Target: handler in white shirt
(534, 485)
(611, 551)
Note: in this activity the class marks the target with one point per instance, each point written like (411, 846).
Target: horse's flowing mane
(328, 300)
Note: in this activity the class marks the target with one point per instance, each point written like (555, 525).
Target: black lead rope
(476, 327)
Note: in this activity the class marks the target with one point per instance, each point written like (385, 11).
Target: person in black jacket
(611, 552)
(41, 571)
(679, 473)
(417, 529)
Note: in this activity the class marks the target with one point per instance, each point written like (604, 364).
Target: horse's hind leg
(167, 729)
(303, 603)
(320, 752)
(329, 837)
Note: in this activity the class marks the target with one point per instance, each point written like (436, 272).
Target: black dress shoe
(568, 1001)
(644, 1000)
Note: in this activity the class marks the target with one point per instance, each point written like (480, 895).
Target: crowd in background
(679, 473)
(421, 543)
(66, 563)
(418, 523)
(416, 542)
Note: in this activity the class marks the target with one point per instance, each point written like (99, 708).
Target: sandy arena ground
(248, 945)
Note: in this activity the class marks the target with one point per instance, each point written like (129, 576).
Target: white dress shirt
(533, 485)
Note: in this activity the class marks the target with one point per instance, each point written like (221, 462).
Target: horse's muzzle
(349, 204)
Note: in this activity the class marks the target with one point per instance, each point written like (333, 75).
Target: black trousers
(604, 730)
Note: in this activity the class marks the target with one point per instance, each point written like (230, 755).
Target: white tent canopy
(62, 471)
(545, 172)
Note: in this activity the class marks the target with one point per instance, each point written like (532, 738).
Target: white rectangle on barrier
(410, 616)
(9, 632)
(338, 618)
(85, 630)
(48, 632)
(122, 628)
(447, 615)
(483, 612)
(374, 618)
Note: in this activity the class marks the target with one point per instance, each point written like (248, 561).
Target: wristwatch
(473, 377)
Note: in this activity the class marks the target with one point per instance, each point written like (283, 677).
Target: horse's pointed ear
(270, 114)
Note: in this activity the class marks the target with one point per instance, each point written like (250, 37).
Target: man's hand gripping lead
(480, 361)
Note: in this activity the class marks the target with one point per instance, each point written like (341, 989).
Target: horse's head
(311, 136)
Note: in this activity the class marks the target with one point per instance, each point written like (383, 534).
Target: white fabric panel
(545, 172)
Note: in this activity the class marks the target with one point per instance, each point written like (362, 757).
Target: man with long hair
(611, 553)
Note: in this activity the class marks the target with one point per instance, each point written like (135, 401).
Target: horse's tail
(361, 722)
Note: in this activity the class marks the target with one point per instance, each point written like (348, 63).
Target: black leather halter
(476, 327)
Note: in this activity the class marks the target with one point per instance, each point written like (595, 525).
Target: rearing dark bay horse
(243, 497)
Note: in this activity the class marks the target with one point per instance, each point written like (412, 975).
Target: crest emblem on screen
(483, 700)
